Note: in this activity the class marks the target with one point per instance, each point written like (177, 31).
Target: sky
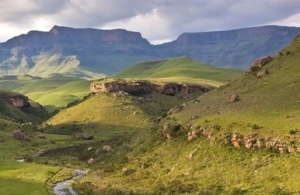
(157, 20)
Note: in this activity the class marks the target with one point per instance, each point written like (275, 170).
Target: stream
(64, 188)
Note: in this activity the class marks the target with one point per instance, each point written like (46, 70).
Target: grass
(180, 69)
(52, 92)
(270, 102)
(25, 179)
(141, 161)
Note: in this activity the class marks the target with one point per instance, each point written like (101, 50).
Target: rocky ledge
(144, 87)
(19, 101)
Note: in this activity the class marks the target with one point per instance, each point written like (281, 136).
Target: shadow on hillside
(97, 130)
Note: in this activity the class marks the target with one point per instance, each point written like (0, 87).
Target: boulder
(19, 135)
(193, 135)
(234, 98)
(106, 148)
(260, 62)
(170, 129)
(1, 139)
(91, 161)
(261, 74)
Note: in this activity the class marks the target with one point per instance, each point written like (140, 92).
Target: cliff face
(18, 108)
(233, 48)
(86, 52)
(18, 101)
(144, 87)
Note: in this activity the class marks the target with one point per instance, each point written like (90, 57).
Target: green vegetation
(52, 92)
(180, 69)
(129, 152)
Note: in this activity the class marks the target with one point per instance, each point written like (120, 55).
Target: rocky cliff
(19, 108)
(90, 52)
(144, 87)
(18, 101)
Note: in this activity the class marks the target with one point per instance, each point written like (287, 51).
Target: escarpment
(19, 101)
(144, 87)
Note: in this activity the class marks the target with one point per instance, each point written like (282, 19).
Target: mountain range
(92, 53)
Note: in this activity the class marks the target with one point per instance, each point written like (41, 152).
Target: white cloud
(290, 21)
(152, 25)
(157, 20)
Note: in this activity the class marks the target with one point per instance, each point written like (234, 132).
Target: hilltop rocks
(19, 135)
(261, 74)
(170, 129)
(19, 101)
(234, 98)
(83, 136)
(132, 87)
(144, 87)
(260, 62)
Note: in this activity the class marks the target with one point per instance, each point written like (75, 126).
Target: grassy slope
(52, 92)
(8, 112)
(161, 167)
(180, 69)
(270, 102)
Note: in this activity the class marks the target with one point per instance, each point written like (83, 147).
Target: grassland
(142, 161)
(52, 92)
(180, 69)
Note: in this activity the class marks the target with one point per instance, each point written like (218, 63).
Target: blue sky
(158, 20)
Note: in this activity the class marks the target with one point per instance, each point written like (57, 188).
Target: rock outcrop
(19, 101)
(19, 135)
(260, 62)
(144, 87)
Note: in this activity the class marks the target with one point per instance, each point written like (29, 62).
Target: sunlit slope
(270, 103)
(179, 69)
(51, 92)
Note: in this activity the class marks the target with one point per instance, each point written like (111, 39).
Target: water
(64, 188)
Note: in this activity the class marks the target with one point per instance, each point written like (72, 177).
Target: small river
(64, 187)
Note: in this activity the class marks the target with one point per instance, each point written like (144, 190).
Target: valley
(161, 126)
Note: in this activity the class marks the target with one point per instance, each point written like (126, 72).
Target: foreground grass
(25, 179)
(162, 167)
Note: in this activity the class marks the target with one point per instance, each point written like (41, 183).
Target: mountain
(93, 53)
(232, 48)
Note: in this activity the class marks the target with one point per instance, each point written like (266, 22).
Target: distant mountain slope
(91, 53)
(179, 69)
(232, 48)
(268, 99)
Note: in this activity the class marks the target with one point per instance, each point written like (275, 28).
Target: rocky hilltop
(19, 101)
(89, 52)
(19, 108)
(144, 87)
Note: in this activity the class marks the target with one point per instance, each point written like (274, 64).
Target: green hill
(179, 69)
(52, 92)
(18, 108)
(270, 102)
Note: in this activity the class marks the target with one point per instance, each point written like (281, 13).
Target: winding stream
(64, 188)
